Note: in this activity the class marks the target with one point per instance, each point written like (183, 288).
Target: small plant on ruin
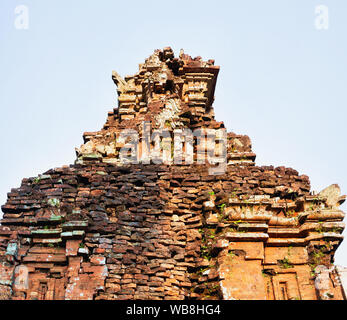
(37, 180)
(320, 228)
(289, 213)
(285, 263)
(205, 252)
(335, 230)
(267, 274)
(313, 270)
(234, 193)
(221, 216)
(231, 255)
(328, 245)
(215, 286)
(318, 255)
(212, 234)
(53, 202)
(222, 207)
(206, 255)
(202, 270)
(237, 222)
(212, 290)
(290, 251)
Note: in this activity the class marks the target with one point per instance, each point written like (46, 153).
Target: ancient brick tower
(103, 229)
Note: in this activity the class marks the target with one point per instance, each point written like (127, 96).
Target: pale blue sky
(282, 81)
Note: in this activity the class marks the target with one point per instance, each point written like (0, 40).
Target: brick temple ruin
(102, 229)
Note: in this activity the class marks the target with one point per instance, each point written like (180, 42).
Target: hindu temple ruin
(104, 229)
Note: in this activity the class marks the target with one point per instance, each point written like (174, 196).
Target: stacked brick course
(100, 229)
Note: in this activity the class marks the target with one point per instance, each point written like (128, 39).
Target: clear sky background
(282, 81)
